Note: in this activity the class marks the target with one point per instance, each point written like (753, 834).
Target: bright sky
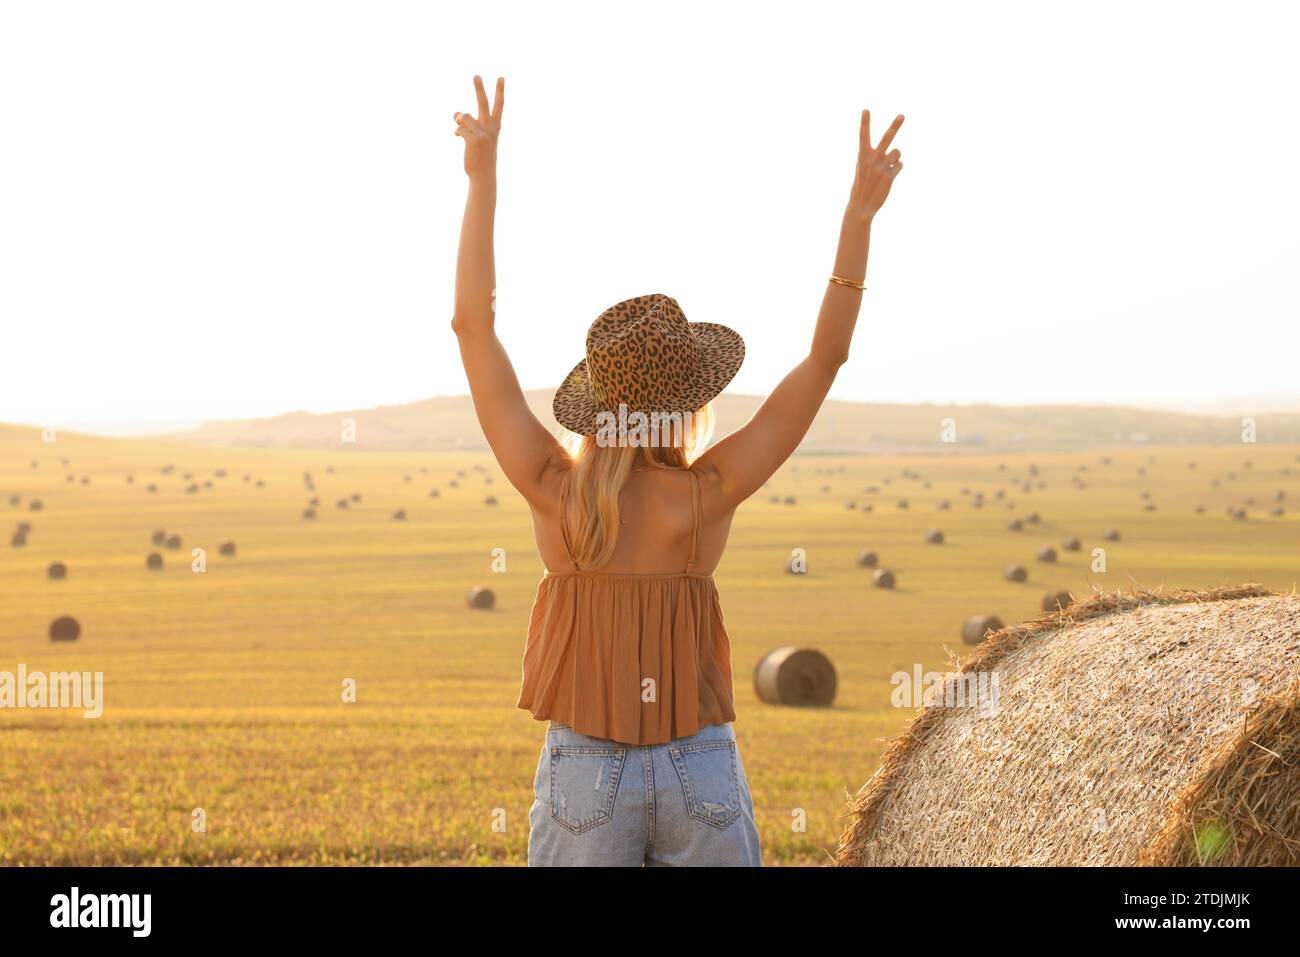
(242, 209)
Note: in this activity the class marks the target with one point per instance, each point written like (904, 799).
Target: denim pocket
(710, 781)
(584, 783)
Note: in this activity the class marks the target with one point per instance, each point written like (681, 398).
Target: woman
(627, 656)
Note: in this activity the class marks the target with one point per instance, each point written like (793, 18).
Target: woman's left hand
(481, 132)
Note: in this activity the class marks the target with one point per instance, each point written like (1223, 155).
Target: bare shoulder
(716, 497)
(550, 483)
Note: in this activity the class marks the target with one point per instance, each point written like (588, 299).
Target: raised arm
(748, 457)
(521, 444)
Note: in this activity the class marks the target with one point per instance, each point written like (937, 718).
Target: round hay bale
(1046, 554)
(795, 677)
(24, 528)
(867, 559)
(399, 515)
(902, 504)
(1277, 511)
(342, 503)
(1057, 601)
(1015, 525)
(227, 548)
(160, 537)
(35, 505)
(192, 488)
(1111, 535)
(434, 493)
(15, 500)
(18, 540)
(789, 500)
(57, 571)
(1200, 510)
(883, 578)
(1015, 573)
(314, 501)
(151, 489)
(942, 505)
(1071, 543)
(490, 500)
(976, 628)
(1086, 759)
(65, 629)
(154, 562)
(1032, 518)
(1239, 513)
(309, 513)
(173, 542)
(356, 496)
(481, 597)
(934, 537)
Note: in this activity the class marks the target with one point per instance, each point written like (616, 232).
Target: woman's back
(636, 650)
(662, 521)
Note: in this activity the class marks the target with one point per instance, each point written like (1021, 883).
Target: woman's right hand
(875, 171)
(481, 132)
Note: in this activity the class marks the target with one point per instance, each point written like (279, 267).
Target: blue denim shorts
(601, 803)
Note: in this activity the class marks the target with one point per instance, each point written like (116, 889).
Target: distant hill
(448, 422)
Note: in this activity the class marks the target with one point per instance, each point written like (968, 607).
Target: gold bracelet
(847, 282)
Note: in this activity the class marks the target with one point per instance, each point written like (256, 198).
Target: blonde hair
(598, 474)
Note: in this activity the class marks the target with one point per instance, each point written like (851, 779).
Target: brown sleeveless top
(640, 659)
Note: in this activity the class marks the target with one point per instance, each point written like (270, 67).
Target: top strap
(695, 518)
(564, 511)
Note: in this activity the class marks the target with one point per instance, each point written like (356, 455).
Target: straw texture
(1136, 728)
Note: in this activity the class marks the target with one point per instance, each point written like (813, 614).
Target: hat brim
(722, 350)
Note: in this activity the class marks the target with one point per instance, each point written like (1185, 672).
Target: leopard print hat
(643, 353)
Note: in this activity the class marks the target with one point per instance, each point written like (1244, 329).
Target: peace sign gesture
(480, 132)
(877, 167)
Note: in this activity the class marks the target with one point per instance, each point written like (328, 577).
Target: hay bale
(1090, 757)
(482, 598)
(309, 513)
(883, 578)
(173, 542)
(154, 562)
(1111, 535)
(356, 496)
(934, 537)
(399, 515)
(342, 503)
(867, 559)
(24, 528)
(160, 538)
(1071, 543)
(434, 493)
(902, 504)
(227, 548)
(1057, 601)
(789, 500)
(1239, 513)
(65, 629)
(1046, 554)
(942, 505)
(976, 628)
(35, 505)
(57, 571)
(1032, 518)
(15, 500)
(795, 677)
(1015, 573)
(18, 540)
(1015, 525)
(151, 489)
(490, 500)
